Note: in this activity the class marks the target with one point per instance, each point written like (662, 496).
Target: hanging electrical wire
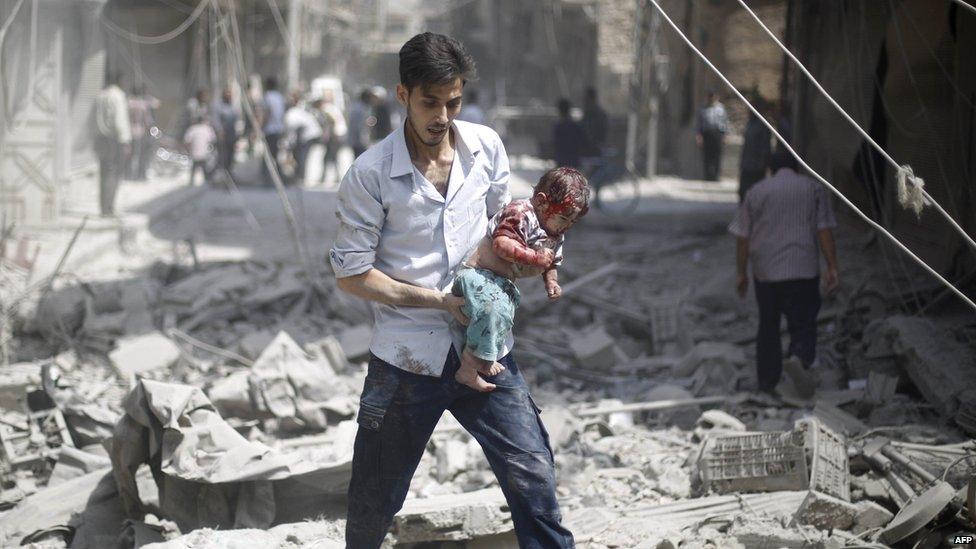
(150, 40)
(905, 176)
(968, 6)
(803, 163)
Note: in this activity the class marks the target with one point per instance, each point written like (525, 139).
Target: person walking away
(226, 117)
(335, 137)
(409, 210)
(382, 115)
(273, 122)
(568, 137)
(113, 139)
(200, 141)
(358, 126)
(713, 124)
(142, 118)
(595, 121)
(778, 228)
(756, 152)
(471, 111)
(304, 131)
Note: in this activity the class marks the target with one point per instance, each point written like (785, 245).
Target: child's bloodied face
(431, 109)
(556, 217)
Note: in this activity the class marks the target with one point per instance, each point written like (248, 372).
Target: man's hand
(553, 289)
(452, 304)
(831, 280)
(742, 285)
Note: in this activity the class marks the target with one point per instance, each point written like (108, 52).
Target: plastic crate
(754, 462)
(829, 464)
(810, 457)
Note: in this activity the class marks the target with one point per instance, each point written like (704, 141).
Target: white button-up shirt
(394, 220)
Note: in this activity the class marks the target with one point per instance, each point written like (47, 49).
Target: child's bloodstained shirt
(519, 221)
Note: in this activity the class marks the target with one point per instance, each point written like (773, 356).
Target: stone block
(144, 353)
(825, 512)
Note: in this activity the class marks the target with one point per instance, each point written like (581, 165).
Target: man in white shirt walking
(778, 227)
(113, 136)
(410, 208)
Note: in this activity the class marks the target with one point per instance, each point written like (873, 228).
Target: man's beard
(420, 135)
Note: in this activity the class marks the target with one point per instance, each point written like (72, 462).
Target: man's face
(431, 109)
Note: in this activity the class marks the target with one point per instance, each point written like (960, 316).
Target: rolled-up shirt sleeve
(825, 212)
(360, 213)
(742, 223)
(498, 195)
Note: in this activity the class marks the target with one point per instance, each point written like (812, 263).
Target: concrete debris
(145, 353)
(225, 393)
(453, 517)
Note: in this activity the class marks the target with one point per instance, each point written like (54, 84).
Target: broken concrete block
(453, 517)
(355, 341)
(838, 419)
(825, 512)
(561, 425)
(254, 343)
(452, 458)
(145, 353)
(880, 388)
(594, 349)
(684, 417)
(710, 352)
(870, 515)
(939, 366)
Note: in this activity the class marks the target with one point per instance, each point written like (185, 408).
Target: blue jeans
(398, 412)
(797, 300)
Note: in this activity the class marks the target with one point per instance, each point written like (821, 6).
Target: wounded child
(524, 239)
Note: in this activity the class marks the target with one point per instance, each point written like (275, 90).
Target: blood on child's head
(567, 197)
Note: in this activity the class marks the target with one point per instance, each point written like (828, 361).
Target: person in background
(756, 150)
(471, 111)
(200, 140)
(226, 118)
(568, 137)
(335, 136)
(358, 125)
(142, 118)
(196, 107)
(113, 137)
(778, 228)
(595, 121)
(272, 121)
(381, 114)
(304, 131)
(713, 124)
(254, 94)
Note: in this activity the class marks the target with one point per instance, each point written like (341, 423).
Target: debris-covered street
(203, 393)
(731, 241)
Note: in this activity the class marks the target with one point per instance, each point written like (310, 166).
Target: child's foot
(469, 376)
(490, 368)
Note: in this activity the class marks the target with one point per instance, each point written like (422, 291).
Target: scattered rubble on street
(215, 405)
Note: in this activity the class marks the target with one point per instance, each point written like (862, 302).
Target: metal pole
(630, 152)
(653, 93)
(295, 44)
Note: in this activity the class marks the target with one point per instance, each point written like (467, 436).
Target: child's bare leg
(471, 366)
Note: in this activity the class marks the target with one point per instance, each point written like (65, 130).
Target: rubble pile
(215, 405)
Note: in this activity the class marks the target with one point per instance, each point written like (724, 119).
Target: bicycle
(616, 186)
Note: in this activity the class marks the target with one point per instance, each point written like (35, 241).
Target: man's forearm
(375, 285)
(826, 237)
(741, 256)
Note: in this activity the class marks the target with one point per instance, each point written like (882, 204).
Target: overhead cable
(904, 173)
(140, 39)
(817, 175)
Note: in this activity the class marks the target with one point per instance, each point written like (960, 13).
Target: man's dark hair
(590, 93)
(270, 83)
(782, 158)
(562, 184)
(434, 59)
(139, 89)
(113, 77)
(365, 95)
(563, 106)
